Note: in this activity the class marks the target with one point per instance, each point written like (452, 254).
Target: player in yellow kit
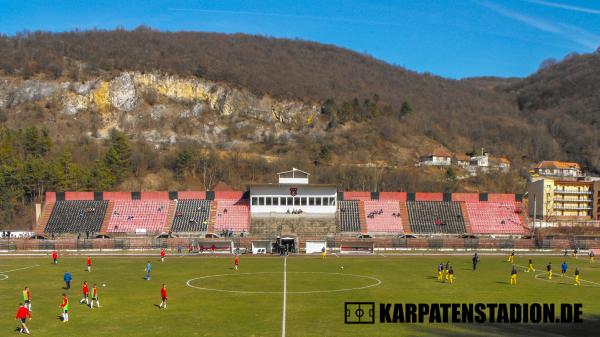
(451, 275)
(577, 281)
(549, 270)
(530, 266)
(511, 257)
(513, 276)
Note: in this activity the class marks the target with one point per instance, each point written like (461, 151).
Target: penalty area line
(9, 271)
(4, 276)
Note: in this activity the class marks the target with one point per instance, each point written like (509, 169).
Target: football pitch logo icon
(359, 312)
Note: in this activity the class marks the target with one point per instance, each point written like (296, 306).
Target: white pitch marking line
(8, 271)
(284, 295)
(376, 283)
(536, 276)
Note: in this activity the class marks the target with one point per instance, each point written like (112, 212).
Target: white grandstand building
(293, 195)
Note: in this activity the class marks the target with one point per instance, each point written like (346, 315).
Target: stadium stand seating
(76, 216)
(435, 217)
(495, 217)
(383, 216)
(191, 216)
(232, 215)
(129, 215)
(348, 216)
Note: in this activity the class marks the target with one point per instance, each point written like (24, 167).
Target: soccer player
(22, 315)
(577, 282)
(511, 257)
(162, 255)
(513, 276)
(148, 270)
(163, 296)
(65, 308)
(451, 275)
(575, 253)
(67, 278)
(27, 298)
(236, 262)
(89, 264)
(94, 297)
(323, 252)
(592, 254)
(446, 267)
(563, 268)
(86, 293)
(475, 261)
(530, 267)
(549, 270)
(55, 257)
(440, 270)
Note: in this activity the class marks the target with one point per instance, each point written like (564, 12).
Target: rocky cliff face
(125, 99)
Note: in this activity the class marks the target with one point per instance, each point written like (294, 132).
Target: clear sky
(451, 38)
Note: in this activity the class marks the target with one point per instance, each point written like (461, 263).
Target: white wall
(314, 246)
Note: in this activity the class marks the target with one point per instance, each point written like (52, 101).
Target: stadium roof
(288, 185)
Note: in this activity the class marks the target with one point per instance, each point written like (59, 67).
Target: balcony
(573, 208)
(572, 200)
(573, 192)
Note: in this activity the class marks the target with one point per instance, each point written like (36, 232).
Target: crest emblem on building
(293, 191)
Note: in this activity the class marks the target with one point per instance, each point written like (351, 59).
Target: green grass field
(250, 302)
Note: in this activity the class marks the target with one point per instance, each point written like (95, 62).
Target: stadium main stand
(131, 215)
(191, 216)
(232, 215)
(76, 216)
(495, 217)
(435, 217)
(348, 216)
(383, 216)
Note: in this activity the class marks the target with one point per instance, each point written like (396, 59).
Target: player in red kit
(64, 305)
(86, 293)
(22, 315)
(236, 262)
(163, 297)
(89, 264)
(55, 257)
(162, 255)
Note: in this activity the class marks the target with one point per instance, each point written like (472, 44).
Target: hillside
(150, 110)
(565, 97)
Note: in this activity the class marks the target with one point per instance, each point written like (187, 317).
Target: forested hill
(189, 109)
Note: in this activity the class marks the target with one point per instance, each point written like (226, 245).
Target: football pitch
(276, 296)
